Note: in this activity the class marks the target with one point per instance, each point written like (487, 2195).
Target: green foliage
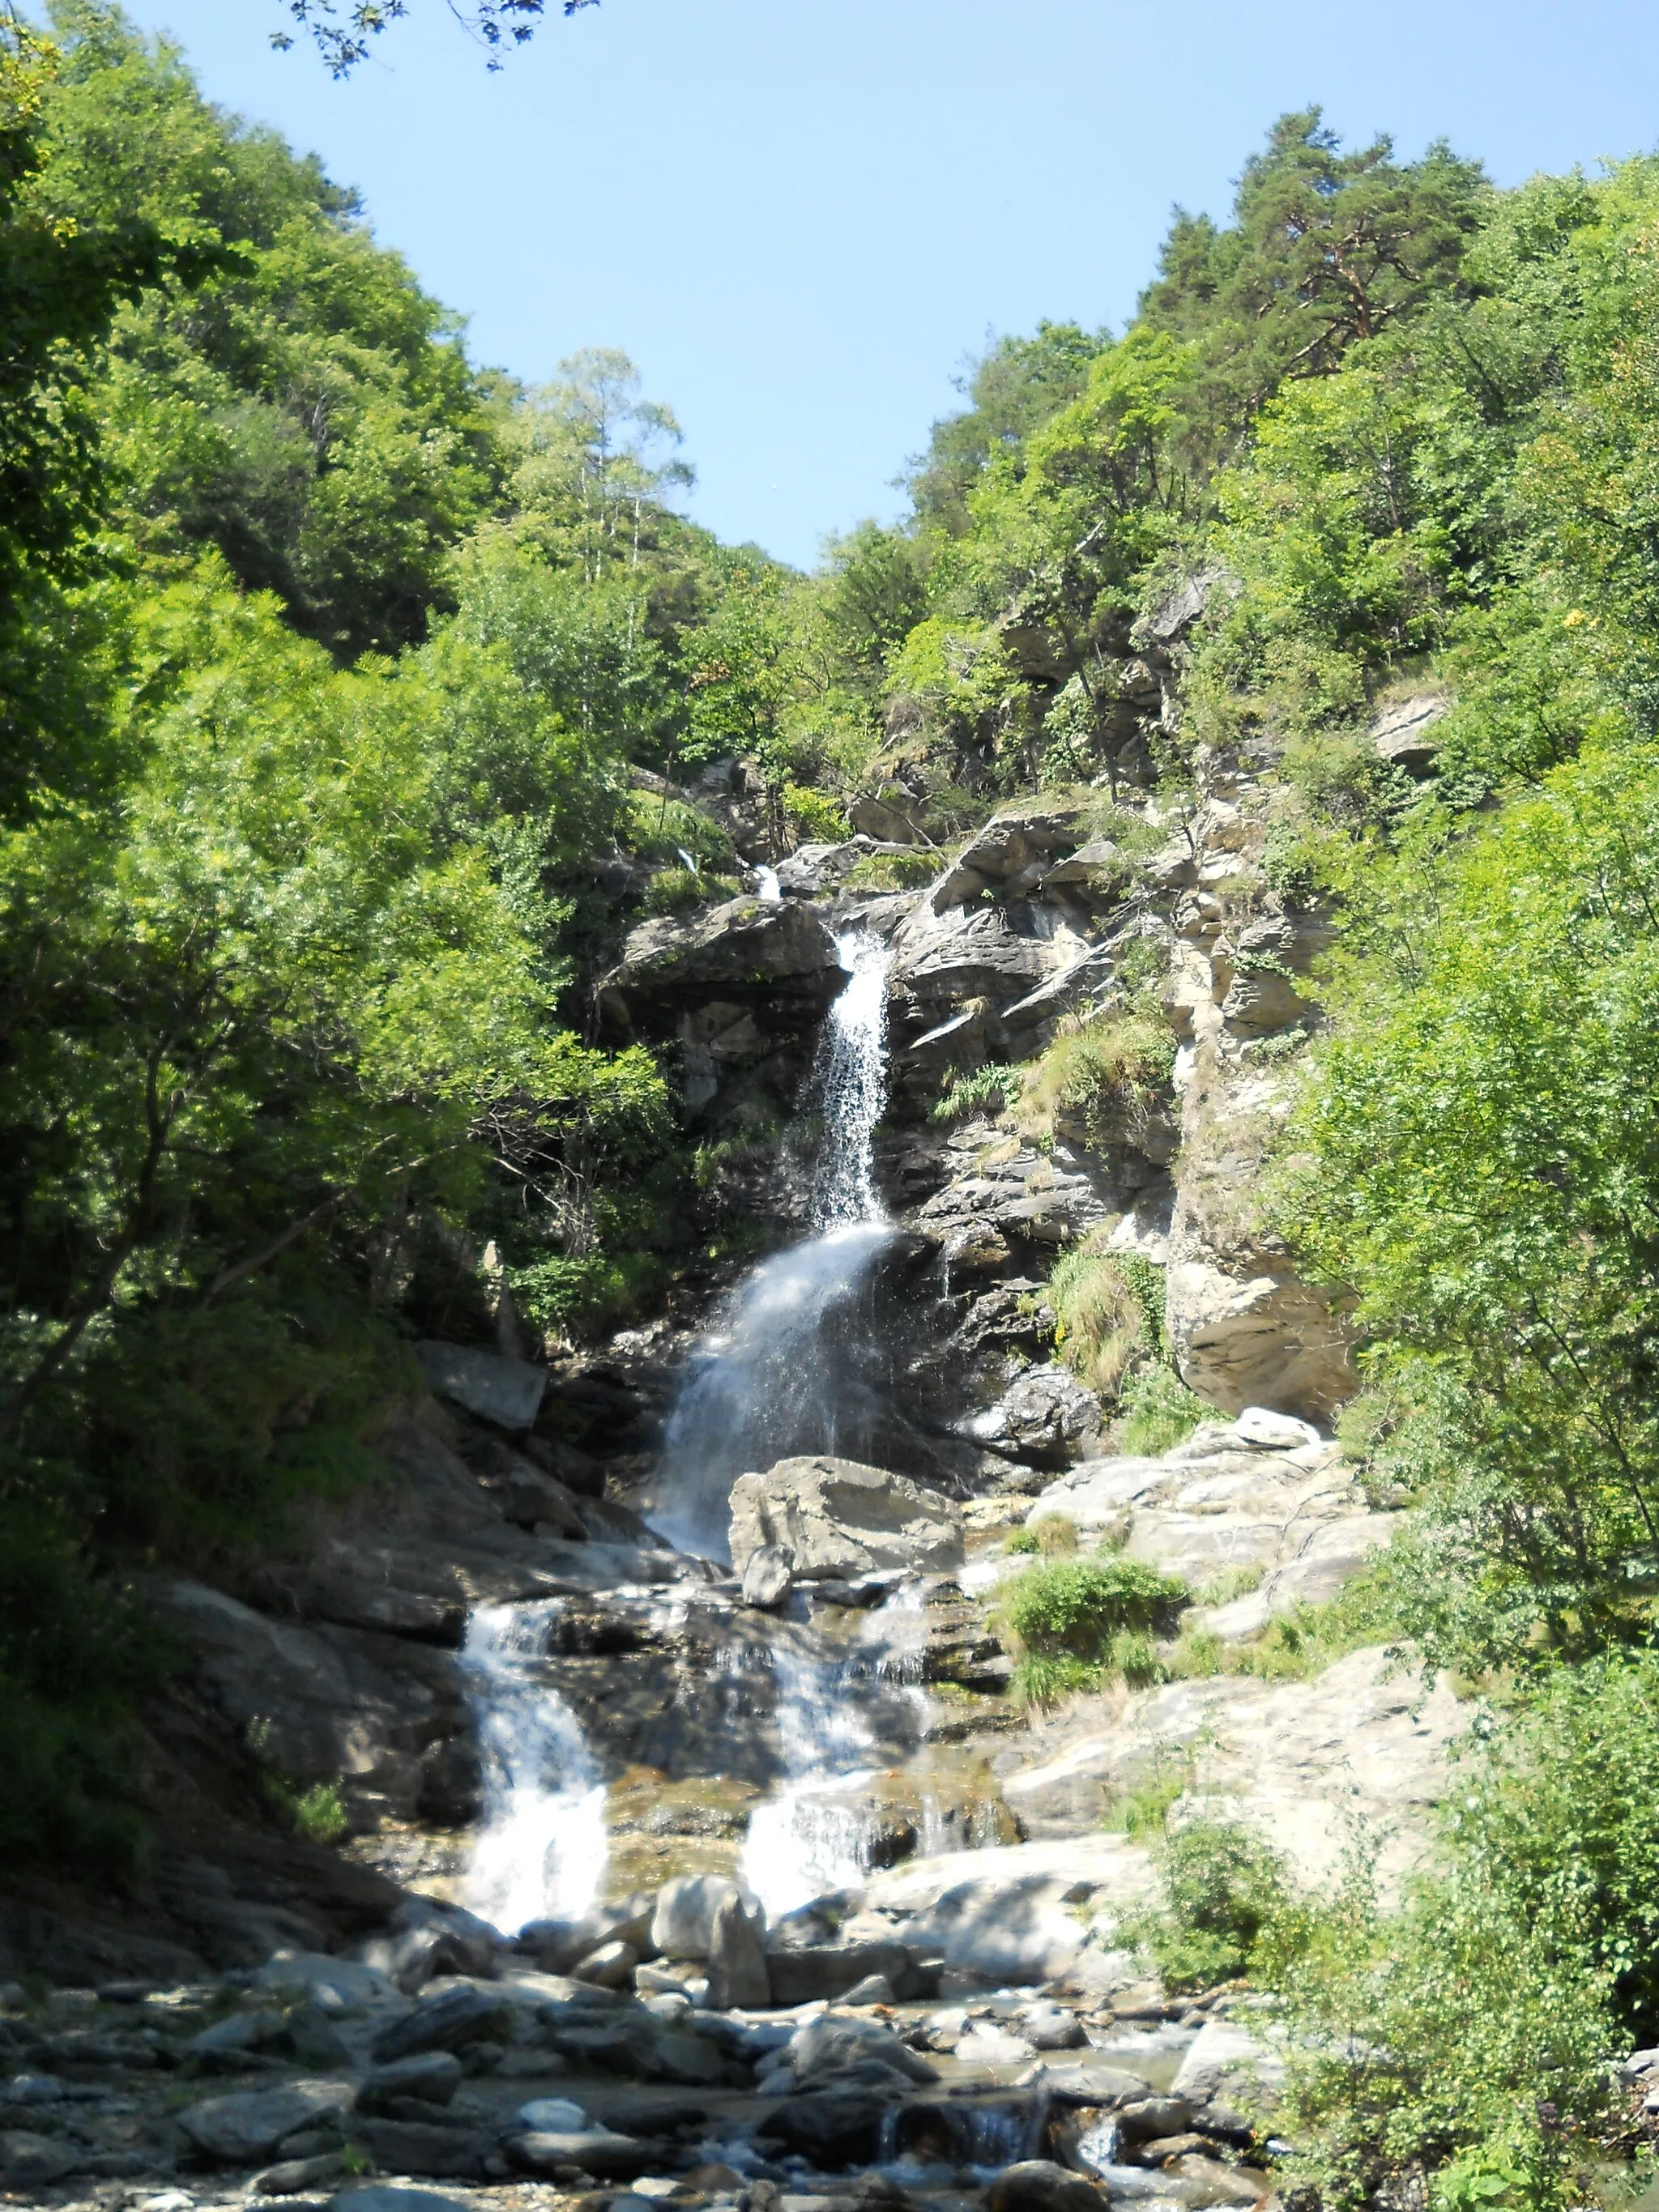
(1068, 1608)
(994, 1086)
(1221, 1891)
(318, 1814)
(1474, 1163)
(1156, 1411)
(815, 817)
(1100, 1081)
(1100, 1323)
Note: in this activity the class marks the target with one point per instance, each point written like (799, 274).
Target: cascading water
(767, 1382)
(541, 1846)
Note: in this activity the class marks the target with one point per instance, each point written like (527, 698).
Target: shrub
(1079, 1608)
(1221, 1888)
(893, 872)
(1100, 1080)
(816, 816)
(1099, 1316)
(1158, 1411)
(659, 828)
(969, 1093)
(1023, 1540)
(1043, 1679)
(1056, 1533)
(676, 891)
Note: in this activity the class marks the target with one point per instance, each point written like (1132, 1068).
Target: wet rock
(1047, 1419)
(458, 2016)
(434, 2076)
(737, 1974)
(691, 2059)
(986, 2044)
(1204, 2181)
(873, 1990)
(508, 1392)
(1048, 2027)
(31, 2161)
(242, 2129)
(831, 2130)
(843, 1520)
(597, 2151)
(1037, 2185)
(1146, 2117)
(768, 1575)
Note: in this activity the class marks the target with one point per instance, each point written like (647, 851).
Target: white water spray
(767, 889)
(541, 1846)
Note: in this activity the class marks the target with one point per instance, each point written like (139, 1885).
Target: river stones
(31, 2161)
(842, 1520)
(597, 2151)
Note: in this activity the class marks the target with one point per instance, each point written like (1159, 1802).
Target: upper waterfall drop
(773, 1376)
(849, 1083)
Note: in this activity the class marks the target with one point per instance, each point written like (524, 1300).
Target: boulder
(389, 2197)
(1199, 2181)
(737, 1955)
(609, 1967)
(1228, 2061)
(427, 1939)
(826, 1972)
(247, 2127)
(1003, 1916)
(337, 1986)
(1045, 1419)
(842, 1520)
(1037, 2185)
(683, 1925)
(831, 2129)
(446, 2023)
(768, 1577)
(31, 2161)
(834, 2048)
(423, 2146)
(551, 2116)
(1400, 733)
(745, 941)
(1142, 2118)
(508, 1392)
(891, 819)
(434, 2076)
(291, 2175)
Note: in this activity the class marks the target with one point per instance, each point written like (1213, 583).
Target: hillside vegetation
(344, 686)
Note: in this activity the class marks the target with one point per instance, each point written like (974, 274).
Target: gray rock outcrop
(842, 1520)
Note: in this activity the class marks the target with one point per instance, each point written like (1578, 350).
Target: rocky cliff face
(356, 1670)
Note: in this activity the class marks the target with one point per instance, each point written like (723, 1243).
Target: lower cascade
(540, 1848)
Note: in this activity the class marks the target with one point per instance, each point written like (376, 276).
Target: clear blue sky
(800, 216)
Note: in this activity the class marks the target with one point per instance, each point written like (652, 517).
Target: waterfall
(541, 1846)
(767, 889)
(777, 1374)
(810, 1838)
(849, 1087)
